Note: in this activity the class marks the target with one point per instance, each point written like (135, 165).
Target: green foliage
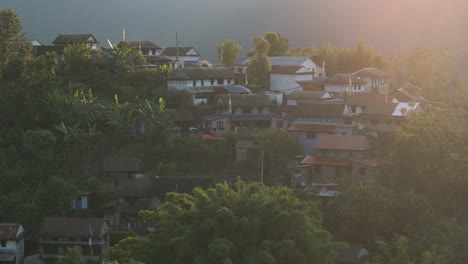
(39, 144)
(131, 249)
(79, 62)
(124, 58)
(14, 46)
(74, 255)
(270, 44)
(258, 70)
(117, 236)
(228, 52)
(249, 223)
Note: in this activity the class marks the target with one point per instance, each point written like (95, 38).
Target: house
(376, 80)
(11, 243)
(59, 233)
(245, 110)
(410, 93)
(184, 78)
(312, 120)
(182, 55)
(246, 148)
(183, 119)
(119, 170)
(208, 94)
(339, 159)
(316, 84)
(301, 97)
(340, 84)
(146, 47)
(62, 41)
(286, 72)
(357, 102)
(353, 254)
(69, 39)
(145, 194)
(80, 204)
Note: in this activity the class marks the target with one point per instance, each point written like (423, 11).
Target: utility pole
(177, 47)
(261, 166)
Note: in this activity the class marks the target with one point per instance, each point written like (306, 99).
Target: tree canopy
(228, 52)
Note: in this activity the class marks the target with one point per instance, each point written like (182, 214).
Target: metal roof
(213, 117)
(250, 117)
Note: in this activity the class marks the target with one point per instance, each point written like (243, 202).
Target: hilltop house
(58, 233)
(286, 72)
(151, 51)
(62, 41)
(340, 158)
(11, 243)
(312, 120)
(182, 55)
(246, 110)
(339, 84)
(181, 79)
(376, 80)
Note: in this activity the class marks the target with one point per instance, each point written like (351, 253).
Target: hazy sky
(387, 25)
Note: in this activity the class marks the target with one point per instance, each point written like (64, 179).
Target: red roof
(342, 142)
(371, 162)
(312, 128)
(327, 161)
(208, 136)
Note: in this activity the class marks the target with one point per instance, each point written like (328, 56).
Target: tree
(258, 70)
(248, 223)
(39, 144)
(14, 46)
(278, 44)
(124, 58)
(228, 52)
(130, 249)
(74, 255)
(155, 119)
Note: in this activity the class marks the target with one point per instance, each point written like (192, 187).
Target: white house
(184, 78)
(340, 84)
(11, 243)
(182, 55)
(376, 80)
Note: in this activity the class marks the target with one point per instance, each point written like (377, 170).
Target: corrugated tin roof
(213, 117)
(235, 88)
(244, 100)
(287, 60)
(172, 51)
(317, 109)
(286, 69)
(201, 89)
(370, 72)
(250, 117)
(310, 95)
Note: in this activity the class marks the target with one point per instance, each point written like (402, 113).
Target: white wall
(179, 85)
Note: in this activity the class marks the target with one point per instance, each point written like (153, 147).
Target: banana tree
(155, 119)
(119, 116)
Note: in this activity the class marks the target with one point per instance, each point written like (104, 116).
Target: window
(202, 82)
(362, 171)
(279, 124)
(3, 243)
(212, 82)
(194, 83)
(318, 169)
(220, 124)
(311, 135)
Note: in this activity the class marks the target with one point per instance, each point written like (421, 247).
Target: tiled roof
(327, 161)
(144, 44)
(344, 79)
(244, 100)
(317, 109)
(370, 72)
(201, 73)
(342, 142)
(364, 99)
(310, 95)
(9, 231)
(72, 227)
(73, 38)
(172, 51)
(311, 128)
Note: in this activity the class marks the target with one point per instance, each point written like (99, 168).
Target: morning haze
(202, 23)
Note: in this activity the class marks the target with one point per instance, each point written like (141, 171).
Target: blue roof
(214, 117)
(250, 117)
